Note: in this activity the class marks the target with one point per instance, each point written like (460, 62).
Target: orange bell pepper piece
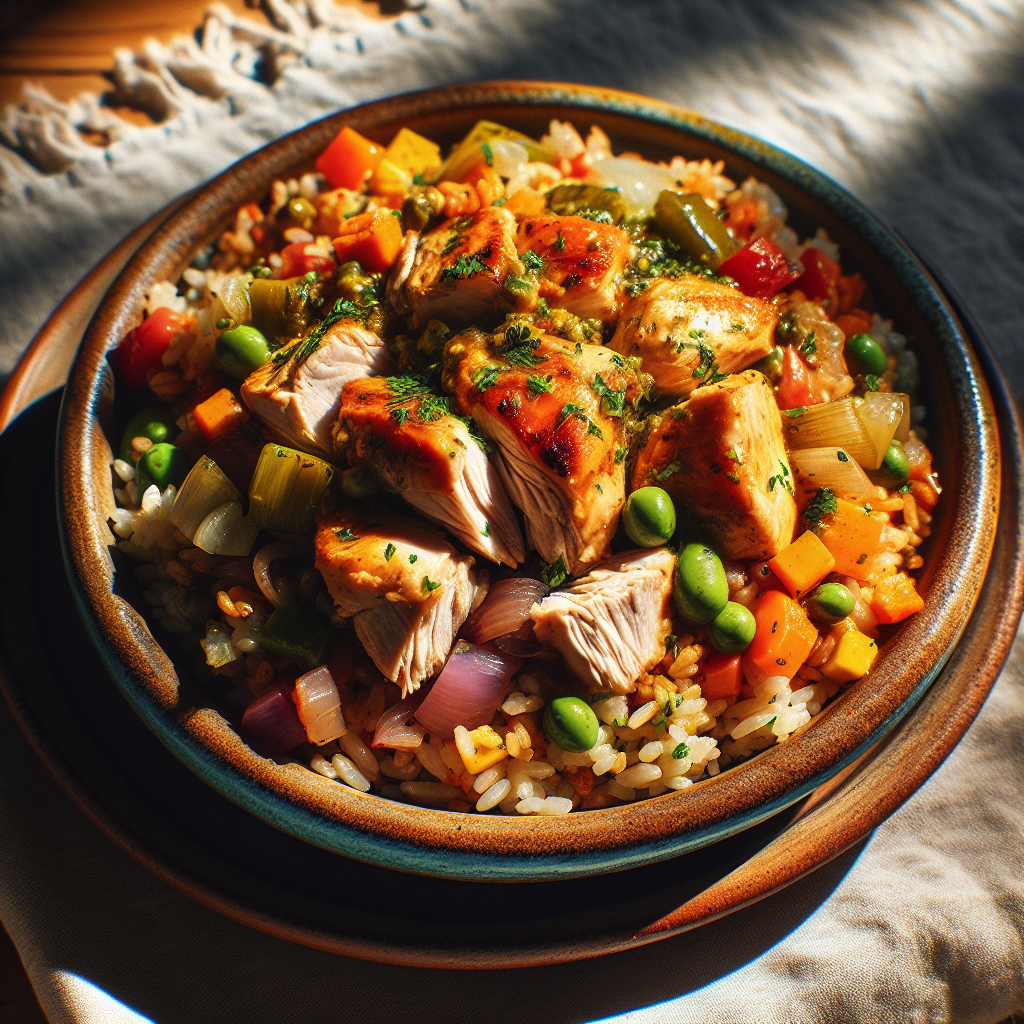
(349, 160)
(896, 598)
(783, 639)
(373, 239)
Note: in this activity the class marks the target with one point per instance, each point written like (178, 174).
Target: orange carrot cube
(802, 565)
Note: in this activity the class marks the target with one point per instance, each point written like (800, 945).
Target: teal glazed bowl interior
(962, 434)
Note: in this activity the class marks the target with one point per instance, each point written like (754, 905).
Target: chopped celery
(688, 221)
(304, 638)
(284, 309)
(205, 488)
(469, 152)
(287, 489)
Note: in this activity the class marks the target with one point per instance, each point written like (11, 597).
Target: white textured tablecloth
(917, 106)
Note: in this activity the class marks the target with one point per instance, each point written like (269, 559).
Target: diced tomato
(302, 257)
(349, 160)
(795, 389)
(820, 277)
(723, 676)
(141, 351)
(760, 269)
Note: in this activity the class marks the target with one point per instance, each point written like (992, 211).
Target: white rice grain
(555, 805)
(321, 765)
(349, 773)
(643, 714)
(486, 779)
(639, 776)
(493, 795)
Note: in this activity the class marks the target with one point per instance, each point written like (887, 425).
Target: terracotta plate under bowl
(962, 434)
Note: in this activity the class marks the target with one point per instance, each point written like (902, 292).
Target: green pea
(162, 464)
(242, 350)
(701, 590)
(154, 423)
(866, 355)
(302, 211)
(649, 517)
(895, 466)
(571, 723)
(732, 629)
(830, 602)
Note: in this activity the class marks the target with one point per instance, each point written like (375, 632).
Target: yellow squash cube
(412, 153)
(489, 749)
(802, 565)
(853, 656)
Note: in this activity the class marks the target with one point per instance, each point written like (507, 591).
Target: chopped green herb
(612, 402)
(620, 454)
(560, 242)
(672, 467)
(599, 488)
(872, 383)
(736, 328)
(399, 415)
(223, 323)
(486, 377)
(555, 574)
(822, 504)
(388, 552)
(467, 266)
(905, 489)
(578, 350)
(808, 346)
(428, 586)
(413, 559)
(569, 409)
(488, 154)
(451, 245)
(487, 529)
(532, 261)
(681, 751)
(798, 411)
(672, 645)
(516, 285)
(345, 534)
(539, 385)
(842, 456)
(735, 479)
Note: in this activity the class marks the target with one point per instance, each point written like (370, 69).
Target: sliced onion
(824, 468)
(225, 531)
(319, 706)
(639, 182)
(234, 293)
(508, 158)
(205, 488)
(505, 609)
(271, 719)
(884, 416)
(261, 570)
(468, 691)
(831, 424)
(397, 727)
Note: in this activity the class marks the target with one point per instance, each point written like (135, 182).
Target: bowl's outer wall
(962, 431)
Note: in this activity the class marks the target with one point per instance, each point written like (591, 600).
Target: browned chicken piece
(460, 267)
(683, 328)
(407, 434)
(610, 626)
(297, 392)
(407, 589)
(721, 457)
(554, 412)
(583, 263)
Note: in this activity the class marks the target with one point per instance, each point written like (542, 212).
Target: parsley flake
(531, 261)
(388, 552)
(539, 385)
(555, 574)
(560, 242)
(413, 559)
(822, 504)
(681, 751)
(612, 402)
(345, 534)
(428, 586)
(669, 470)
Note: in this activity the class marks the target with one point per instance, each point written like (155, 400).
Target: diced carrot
(413, 153)
(219, 415)
(486, 181)
(349, 160)
(803, 564)
(526, 203)
(373, 239)
(853, 535)
(723, 676)
(857, 321)
(896, 598)
(782, 641)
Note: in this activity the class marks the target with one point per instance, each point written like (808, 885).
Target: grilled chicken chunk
(721, 457)
(610, 626)
(296, 394)
(582, 263)
(408, 590)
(554, 412)
(460, 266)
(681, 328)
(419, 449)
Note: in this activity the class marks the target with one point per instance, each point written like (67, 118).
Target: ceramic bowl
(962, 434)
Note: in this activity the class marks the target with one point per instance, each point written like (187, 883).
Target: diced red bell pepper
(302, 257)
(795, 389)
(349, 160)
(820, 277)
(141, 351)
(760, 269)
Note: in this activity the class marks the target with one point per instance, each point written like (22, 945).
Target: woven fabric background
(914, 105)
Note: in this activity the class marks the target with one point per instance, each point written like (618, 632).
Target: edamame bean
(163, 464)
(700, 590)
(830, 602)
(895, 466)
(649, 517)
(241, 350)
(154, 423)
(732, 629)
(571, 723)
(866, 355)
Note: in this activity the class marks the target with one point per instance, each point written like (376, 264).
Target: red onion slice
(319, 706)
(469, 689)
(271, 719)
(397, 729)
(505, 609)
